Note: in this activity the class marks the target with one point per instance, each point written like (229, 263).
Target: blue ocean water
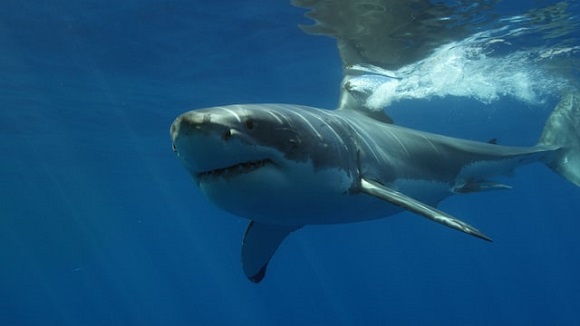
(100, 225)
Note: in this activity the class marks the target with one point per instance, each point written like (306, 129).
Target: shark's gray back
(389, 152)
(367, 147)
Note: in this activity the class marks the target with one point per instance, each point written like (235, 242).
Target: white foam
(474, 68)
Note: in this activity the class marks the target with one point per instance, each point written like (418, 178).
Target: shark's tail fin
(563, 131)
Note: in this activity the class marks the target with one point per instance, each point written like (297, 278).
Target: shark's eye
(250, 124)
(227, 135)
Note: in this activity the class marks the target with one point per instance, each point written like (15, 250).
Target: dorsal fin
(359, 83)
(376, 115)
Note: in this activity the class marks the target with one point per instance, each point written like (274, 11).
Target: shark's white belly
(302, 197)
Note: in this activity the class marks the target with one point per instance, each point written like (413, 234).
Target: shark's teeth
(234, 170)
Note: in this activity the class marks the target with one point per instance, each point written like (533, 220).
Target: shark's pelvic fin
(259, 245)
(470, 186)
(399, 199)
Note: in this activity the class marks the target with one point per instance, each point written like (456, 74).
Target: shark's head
(252, 160)
(227, 142)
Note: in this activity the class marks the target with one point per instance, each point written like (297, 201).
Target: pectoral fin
(399, 199)
(259, 245)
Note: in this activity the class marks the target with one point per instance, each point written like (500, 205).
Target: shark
(286, 166)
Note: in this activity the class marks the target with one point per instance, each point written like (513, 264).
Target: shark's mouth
(234, 170)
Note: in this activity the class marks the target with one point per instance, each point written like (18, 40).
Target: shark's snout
(182, 130)
(174, 128)
(187, 123)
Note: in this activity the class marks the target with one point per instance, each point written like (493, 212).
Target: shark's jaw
(222, 157)
(232, 171)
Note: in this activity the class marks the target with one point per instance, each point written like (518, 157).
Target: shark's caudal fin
(563, 130)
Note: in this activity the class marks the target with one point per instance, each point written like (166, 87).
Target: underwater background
(100, 225)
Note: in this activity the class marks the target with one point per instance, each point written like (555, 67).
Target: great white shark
(285, 166)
